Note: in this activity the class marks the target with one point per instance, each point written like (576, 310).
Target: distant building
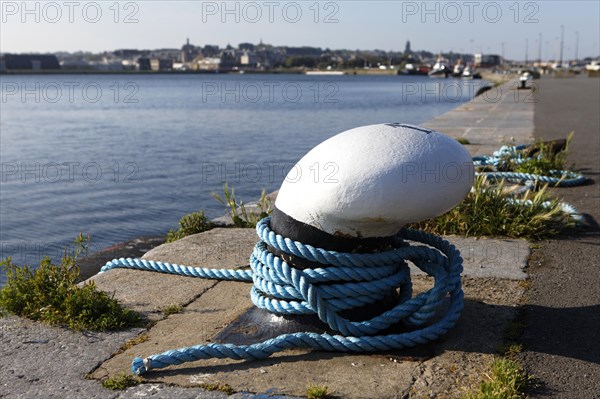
(107, 65)
(487, 61)
(166, 53)
(248, 58)
(127, 53)
(407, 49)
(210, 50)
(312, 52)
(74, 63)
(188, 52)
(161, 64)
(230, 58)
(208, 64)
(130, 64)
(30, 62)
(246, 46)
(143, 64)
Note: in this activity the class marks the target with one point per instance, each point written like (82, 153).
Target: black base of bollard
(256, 325)
(291, 228)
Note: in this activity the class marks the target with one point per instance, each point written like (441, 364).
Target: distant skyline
(502, 27)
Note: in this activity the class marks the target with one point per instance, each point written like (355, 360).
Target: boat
(411, 69)
(470, 73)
(458, 69)
(593, 66)
(440, 69)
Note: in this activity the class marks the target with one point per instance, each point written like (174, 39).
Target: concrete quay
(501, 115)
(562, 309)
(43, 361)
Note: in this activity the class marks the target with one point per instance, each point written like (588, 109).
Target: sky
(508, 28)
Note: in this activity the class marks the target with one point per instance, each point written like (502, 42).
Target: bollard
(353, 193)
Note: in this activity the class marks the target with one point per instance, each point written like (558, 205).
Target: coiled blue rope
(557, 178)
(354, 280)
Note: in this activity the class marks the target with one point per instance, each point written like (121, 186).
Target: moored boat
(440, 69)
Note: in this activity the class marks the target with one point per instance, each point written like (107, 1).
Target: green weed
(189, 224)
(240, 216)
(317, 391)
(510, 350)
(506, 380)
(225, 388)
(172, 309)
(492, 210)
(121, 381)
(50, 294)
(133, 342)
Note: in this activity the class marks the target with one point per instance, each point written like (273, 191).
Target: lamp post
(540, 49)
(576, 46)
(562, 39)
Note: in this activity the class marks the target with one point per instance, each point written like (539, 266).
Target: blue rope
(556, 178)
(354, 280)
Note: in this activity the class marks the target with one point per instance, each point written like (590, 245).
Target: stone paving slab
(149, 293)
(490, 258)
(40, 361)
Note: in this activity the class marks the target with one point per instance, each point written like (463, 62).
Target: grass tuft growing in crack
(172, 309)
(506, 379)
(121, 381)
(189, 224)
(240, 215)
(314, 391)
(225, 388)
(510, 350)
(493, 210)
(133, 342)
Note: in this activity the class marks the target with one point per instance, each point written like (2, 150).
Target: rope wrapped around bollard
(352, 280)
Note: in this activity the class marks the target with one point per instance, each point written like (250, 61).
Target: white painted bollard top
(372, 180)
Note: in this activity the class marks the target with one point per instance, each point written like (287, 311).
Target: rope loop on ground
(346, 281)
(556, 178)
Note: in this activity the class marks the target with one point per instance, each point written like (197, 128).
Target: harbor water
(123, 156)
